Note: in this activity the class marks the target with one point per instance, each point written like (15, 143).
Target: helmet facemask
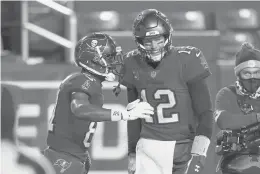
(152, 24)
(154, 47)
(114, 63)
(109, 64)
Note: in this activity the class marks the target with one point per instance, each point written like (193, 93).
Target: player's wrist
(200, 145)
(116, 115)
(131, 154)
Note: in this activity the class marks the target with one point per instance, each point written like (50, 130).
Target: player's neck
(153, 64)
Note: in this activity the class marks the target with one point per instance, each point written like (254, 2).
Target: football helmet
(247, 70)
(152, 23)
(99, 54)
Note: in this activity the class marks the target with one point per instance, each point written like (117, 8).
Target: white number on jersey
(89, 134)
(159, 109)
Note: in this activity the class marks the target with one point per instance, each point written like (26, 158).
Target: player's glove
(131, 163)
(134, 110)
(199, 152)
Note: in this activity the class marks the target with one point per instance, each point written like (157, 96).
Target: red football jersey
(165, 88)
(67, 133)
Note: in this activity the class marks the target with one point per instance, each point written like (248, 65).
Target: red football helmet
(98, 54)
(152, 23)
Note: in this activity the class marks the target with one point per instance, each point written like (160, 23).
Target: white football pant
(154, 157)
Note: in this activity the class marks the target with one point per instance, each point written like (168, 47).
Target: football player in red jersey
(238, 116)
(79, 105)
(172, 80)
(17, 159)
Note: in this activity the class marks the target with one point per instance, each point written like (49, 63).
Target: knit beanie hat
(247, 57)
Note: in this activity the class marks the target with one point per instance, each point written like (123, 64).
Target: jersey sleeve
(202, 105)
(196, 66)
(226, 100)
(82, 83)
(228, 115)
(127, 72)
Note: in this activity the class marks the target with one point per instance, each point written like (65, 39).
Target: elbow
(77, 110)
(224, 122)
(221, 124)
(220, 119)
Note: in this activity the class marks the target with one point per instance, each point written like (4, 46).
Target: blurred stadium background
(37, 40)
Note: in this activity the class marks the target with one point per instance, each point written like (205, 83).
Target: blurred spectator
(11, 26)
(17, 160)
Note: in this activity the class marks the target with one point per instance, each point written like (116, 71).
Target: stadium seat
(98, 21)
(231, 42)
(237, 19)
(188, 20)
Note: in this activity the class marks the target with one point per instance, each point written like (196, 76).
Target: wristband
(116, 115)
(200, 145)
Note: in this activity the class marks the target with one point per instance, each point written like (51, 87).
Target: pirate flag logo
(62, 164)
(97, 46)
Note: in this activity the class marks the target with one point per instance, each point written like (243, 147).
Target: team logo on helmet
(63, 164)
(97, 46)
(94, 43)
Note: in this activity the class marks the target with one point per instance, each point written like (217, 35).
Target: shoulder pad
(232, 88)
(69, 78)
(225, 91)
(132, 53)
(187, 49)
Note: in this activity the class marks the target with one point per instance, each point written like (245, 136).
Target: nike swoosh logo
(197, 54)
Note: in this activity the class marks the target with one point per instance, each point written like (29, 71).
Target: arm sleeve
(81, 83)
(228, 114)
(196, 66)
(133, 126)
(8, 110)
(127, 74)
(202, 106)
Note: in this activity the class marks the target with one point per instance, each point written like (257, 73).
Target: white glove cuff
(116, 115)
(200, 145)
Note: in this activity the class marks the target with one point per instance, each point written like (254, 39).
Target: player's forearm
(228, 120)
(205, 126)
(133, 126)
(94, 113)
(202, 106)
(133, 133)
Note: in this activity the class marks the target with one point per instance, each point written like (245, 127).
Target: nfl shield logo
(153, 74)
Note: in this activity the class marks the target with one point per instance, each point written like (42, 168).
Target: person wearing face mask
(173, 81)
(238, 116)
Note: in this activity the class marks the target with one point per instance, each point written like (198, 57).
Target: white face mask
(155, 47)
